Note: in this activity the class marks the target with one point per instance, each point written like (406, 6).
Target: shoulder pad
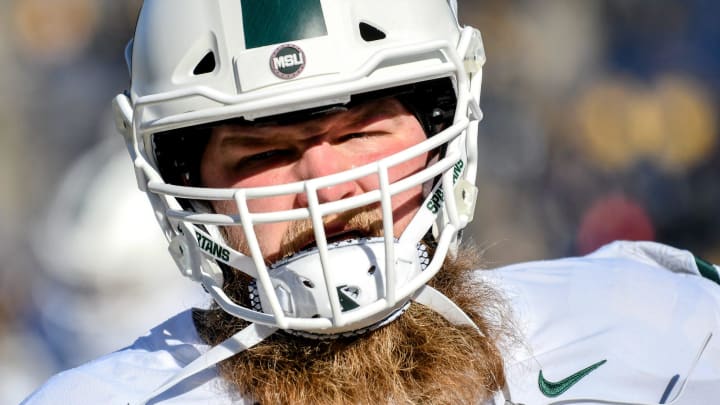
(658, 254)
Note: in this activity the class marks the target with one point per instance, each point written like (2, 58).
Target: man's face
(240, 156)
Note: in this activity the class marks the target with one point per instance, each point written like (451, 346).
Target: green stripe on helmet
(269, 22)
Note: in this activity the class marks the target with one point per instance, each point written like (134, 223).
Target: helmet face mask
(338, 282)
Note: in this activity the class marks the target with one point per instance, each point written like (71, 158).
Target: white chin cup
(358, 273)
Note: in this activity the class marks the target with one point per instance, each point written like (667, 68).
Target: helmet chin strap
(237, 343)
(444, 306)
(256, 333)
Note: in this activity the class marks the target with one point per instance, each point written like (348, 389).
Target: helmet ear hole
(369, 33)
(206, 65)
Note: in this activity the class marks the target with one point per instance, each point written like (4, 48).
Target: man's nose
(321, 160)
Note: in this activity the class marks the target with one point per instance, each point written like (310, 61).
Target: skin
(240, 156)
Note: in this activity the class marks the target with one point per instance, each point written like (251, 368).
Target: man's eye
(263, 157)
(354, 135)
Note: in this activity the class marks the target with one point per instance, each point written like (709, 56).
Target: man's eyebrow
(372, 113)
(249, 136)
(240, 138)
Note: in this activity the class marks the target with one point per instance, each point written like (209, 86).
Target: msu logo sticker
(287, 61)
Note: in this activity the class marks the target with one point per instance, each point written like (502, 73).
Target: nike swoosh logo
(553, 389)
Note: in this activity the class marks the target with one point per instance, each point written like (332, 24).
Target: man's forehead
(362, 114)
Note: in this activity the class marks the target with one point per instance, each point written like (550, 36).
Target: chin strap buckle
(475, 57)
(465, 199)
(189, 260)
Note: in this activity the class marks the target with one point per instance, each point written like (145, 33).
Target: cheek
(407, 203)
(268, 235)
(396, 173)
(411, 166)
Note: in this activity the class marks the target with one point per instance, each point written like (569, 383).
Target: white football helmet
(194, 63)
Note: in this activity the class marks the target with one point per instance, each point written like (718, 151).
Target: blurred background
(601, 124)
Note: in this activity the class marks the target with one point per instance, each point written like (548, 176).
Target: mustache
(300, 234)
(360, 222)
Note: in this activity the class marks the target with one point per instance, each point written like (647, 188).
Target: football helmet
(196, 63)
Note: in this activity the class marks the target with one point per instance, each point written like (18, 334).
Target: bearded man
(312, 164)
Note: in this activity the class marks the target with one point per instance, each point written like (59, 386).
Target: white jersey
(633, 323)
(129, 375)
